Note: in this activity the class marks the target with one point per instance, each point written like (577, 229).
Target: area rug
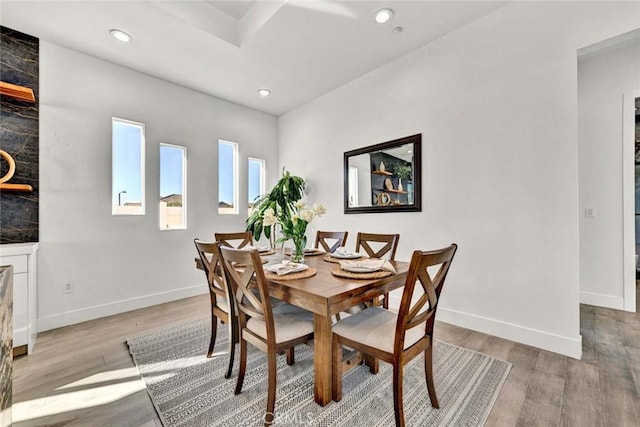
(188, 389)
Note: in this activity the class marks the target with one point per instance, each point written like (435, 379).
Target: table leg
(322, 359)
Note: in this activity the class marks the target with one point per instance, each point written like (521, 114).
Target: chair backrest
(331, 240)
(423, 310)
(209, 257)
(389, 248)
(235, 240)
(243, 280)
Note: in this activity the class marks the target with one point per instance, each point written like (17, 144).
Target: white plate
(359, 269)
(294, 268)
(348, 255)
(262, 249)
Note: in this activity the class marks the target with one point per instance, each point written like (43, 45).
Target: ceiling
(299, 49)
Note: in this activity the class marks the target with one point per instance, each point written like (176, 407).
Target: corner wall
(496, 103)
(120, 263)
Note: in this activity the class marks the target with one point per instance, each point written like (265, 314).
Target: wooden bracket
(4, 186)
(20, 93)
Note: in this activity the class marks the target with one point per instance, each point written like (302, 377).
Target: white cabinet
(24, 258)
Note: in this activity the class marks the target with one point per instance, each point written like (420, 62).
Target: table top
(326, 294)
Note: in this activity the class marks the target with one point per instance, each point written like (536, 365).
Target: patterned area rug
(188, 389)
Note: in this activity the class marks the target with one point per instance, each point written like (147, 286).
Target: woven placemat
(314, 253)
(330, 258)
(291, 276)
(240, 265)
(267, 253)
(339, 272)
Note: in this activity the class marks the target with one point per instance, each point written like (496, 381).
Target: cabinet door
(20, 309)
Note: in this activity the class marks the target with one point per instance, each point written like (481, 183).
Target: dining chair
(236, 240)
(388, 249)
(398, 338)
(331, 240)
(222, 305)
(270, 329)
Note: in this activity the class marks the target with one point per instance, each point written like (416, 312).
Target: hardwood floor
(82, 375)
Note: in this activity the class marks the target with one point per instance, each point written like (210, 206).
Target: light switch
(590, 212)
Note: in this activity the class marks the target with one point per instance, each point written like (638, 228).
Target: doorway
(636, 136)
(631, 196)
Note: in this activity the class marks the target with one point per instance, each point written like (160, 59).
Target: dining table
(325, 295)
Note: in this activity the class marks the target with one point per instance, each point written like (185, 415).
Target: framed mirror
(384, 177)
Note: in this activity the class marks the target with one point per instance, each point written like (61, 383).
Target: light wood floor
(82, 375)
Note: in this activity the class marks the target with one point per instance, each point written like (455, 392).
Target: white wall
(119, 263)
(496, 103)
(604, 77)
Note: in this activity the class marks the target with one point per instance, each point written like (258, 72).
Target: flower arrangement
(280, 200)
(294, 227)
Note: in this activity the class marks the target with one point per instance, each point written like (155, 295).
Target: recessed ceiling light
(264, 92)
(383, 15)
(120, 35)
(397, 30)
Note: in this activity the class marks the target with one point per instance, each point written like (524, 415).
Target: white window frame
(114, 206)
(235, 209)
(184, 187)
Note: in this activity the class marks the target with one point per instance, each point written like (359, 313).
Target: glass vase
(297, 253)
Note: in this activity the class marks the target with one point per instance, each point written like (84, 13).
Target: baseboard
(568, 346)
(97, 311)
(20, 336)
(601, 300)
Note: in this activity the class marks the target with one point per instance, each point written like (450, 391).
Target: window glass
(173, 195)
(227, 177)
(256, 178)
(127, 188)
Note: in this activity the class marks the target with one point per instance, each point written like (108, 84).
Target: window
(255, 180)
(127, 185)
(227, 177)
(173, 186)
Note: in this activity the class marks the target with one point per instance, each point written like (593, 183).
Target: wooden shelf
(381, 173)
(392, 191)
(20, 93)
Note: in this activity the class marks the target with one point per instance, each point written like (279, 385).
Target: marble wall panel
(19, 64)
(6, 343)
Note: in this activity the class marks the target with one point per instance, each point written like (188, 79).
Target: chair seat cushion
(289, 321)
(376, 327)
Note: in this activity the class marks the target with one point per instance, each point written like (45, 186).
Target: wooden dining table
(326, 295)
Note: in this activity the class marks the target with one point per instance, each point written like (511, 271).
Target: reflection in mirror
(384, 177)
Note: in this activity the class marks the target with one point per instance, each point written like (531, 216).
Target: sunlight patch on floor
(74, 400)
(102, 377)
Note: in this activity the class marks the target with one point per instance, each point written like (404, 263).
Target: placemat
(330, 258)
(267, 253)
(240, 265)
(314, 253)
(291, 276)
(339, 272)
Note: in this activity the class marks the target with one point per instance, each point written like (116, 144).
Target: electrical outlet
(68, 288)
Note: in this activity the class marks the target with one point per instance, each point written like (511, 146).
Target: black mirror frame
(416, 206)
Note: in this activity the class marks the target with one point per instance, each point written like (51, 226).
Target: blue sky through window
(255, 179)
(226, 166)
(170, 170)
(127, 162)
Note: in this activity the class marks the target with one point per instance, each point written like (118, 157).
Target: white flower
(318, 209)
(294, 219)
(299, 204)
(306, 214)
(269, 218)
